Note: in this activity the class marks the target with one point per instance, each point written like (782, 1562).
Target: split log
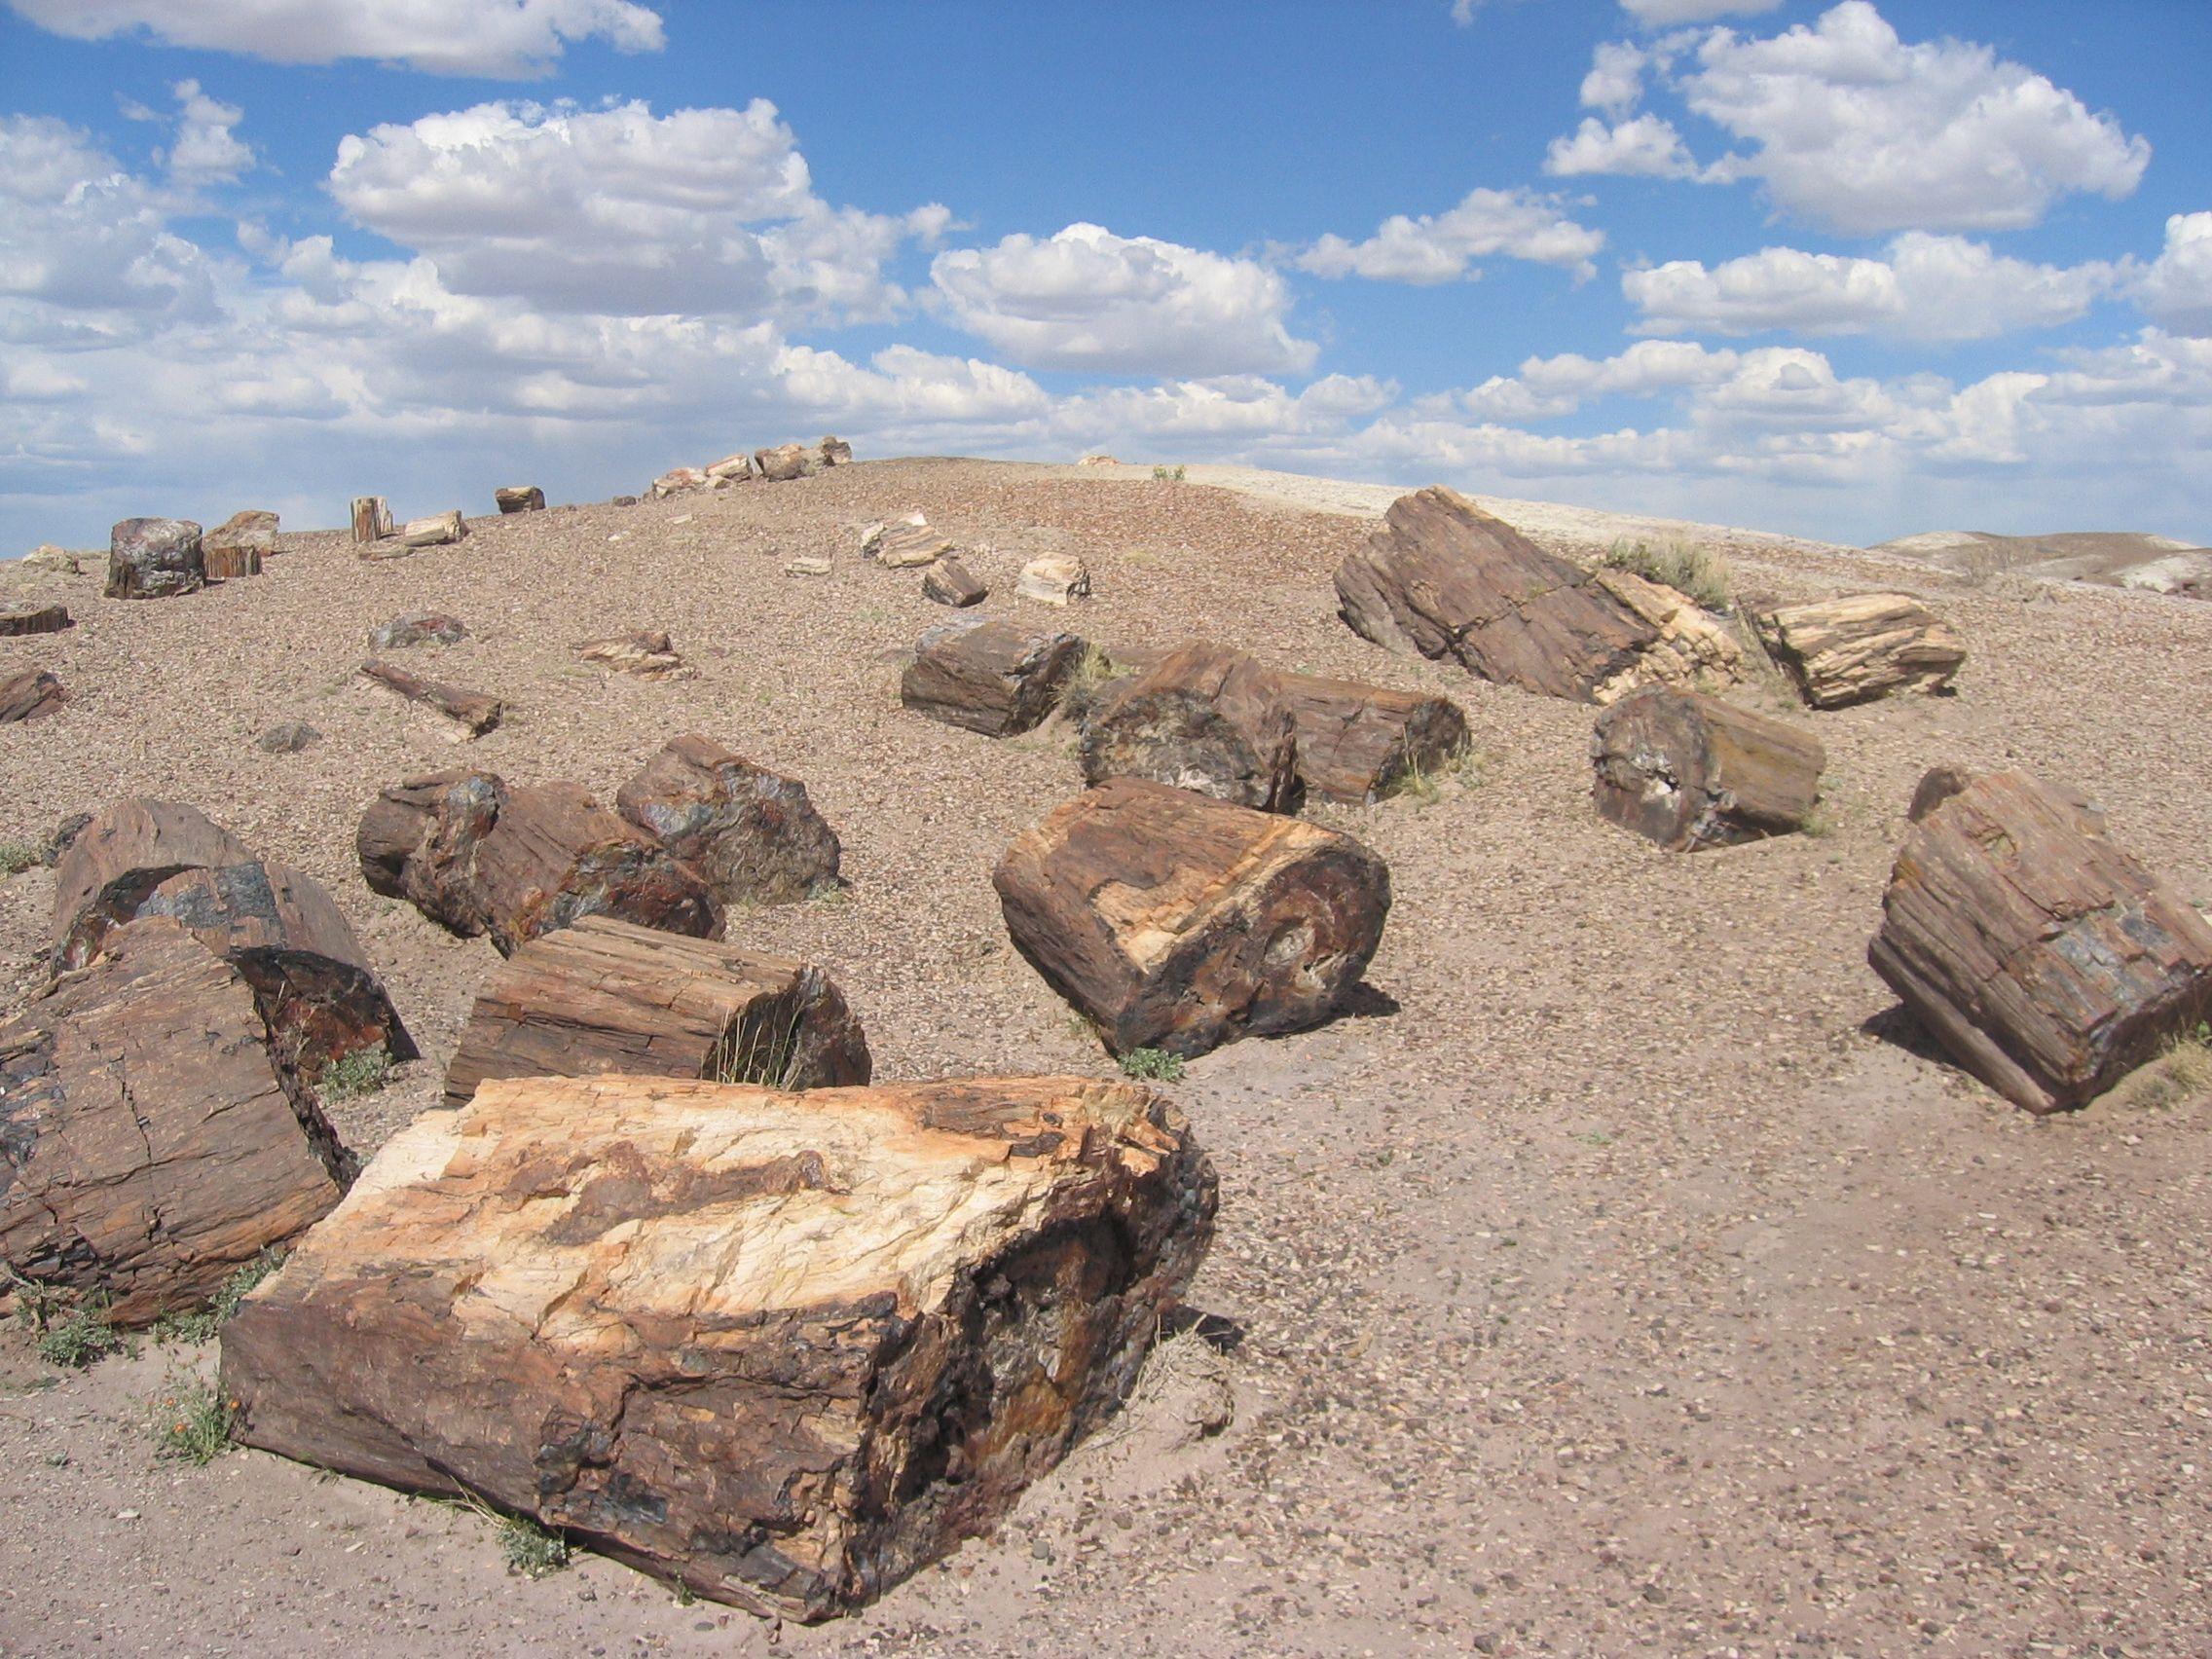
(906, 545)
(417, 628)
(1056, 579)
(2046, 959)
(948, 582)
(994, 677)
(1691, 772)
(782, 1348)
(29, 617)
(435, 530)
(238, 546)
(1689, 650)
(1204, 718)
(372, 518)
(30, 694)
(604, 995)
(149, 1142)
(646, 653)
(1177, 922)
(553, 855)
(115, 862)
(478, 711)
(782, 464)
(1840, 651)
(418, 841)
(753, 835)
(1357, 743)
(519, 498)
(155, 557)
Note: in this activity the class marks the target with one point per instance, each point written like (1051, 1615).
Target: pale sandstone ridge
(1863, 645)
(782, 1348)
(2049, 961)
(1690, 772)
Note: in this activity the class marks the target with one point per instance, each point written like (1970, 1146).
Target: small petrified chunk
(1054, 579)
(372, 518)
(645, 653)
(905, 545)
(784, 462)
(289, 737)
(238, 546)
(155, 557)
(150, 1143)
(1864, 645)
(833, 451)
(435, 530)
(994, 677)
(2047, 961)
(949, 583)
(1691, 772)
(46, 556)
(677, 481)
(730, 470)
(30, 616)
(1174, 921)
(553, 854)
(478, 711)
(418, 628)
(519, 498)
(753, 835)
(30, 694)
(418, 841)
(782, 1348)
(1356, 743)
(606, 996)
(1204, 717)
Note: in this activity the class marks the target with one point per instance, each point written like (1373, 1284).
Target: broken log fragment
(784, 462)
(949, 583)
(2046, 959)
(553, 855)
(1054, 579)
(606, 996)
(478, 711)
(30, 616)
(435, 530)
(113, 863)
(1852, 649)
(1691, 772)
(994, 677)
(417, 628)
(519, 498)
(1204, 717)
(906, 545)
(372, 518)
(155, 557)
(753, 835)
(1357, 743)
(247, 536)
(418, 841)
(154, 1145)
(1174, 921)
(782, 1348)
(646, 653)
(30, 694)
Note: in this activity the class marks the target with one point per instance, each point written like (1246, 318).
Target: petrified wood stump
(1178, 922)
(155, 557)
(418, 841)
(554, 854)
(753, 835)
(1691, 772)
(478, 712)
(1204, 717)
(604, 996)
(1864, 645)
(32, 616)
(149, 1142)
(372, 518)
(2047, 961)
(1357, 743)
(245, 538)
(30, 694)
(994, 677)
(782, 1348)
(226, 564)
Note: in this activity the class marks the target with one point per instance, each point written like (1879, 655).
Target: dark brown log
(372, 518)
(604, 996)
(1938, 785)
(225, 564)
(1691, 772)
(1204, 717)
(1358, 743)
(782, 1348)
(30, 694)
(149, 1142)
(1174, 921)
(418, 841)
(519, 499)
(31, 616)
(1864, 645)
(478, 711)
(554, 854)
(949, 583)
(2047, 961)
(113, 865)
(155, 557)
(994, 677)
(753, 835)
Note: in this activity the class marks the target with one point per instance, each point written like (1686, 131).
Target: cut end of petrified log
(995, 678)
(1690, 772)
(753, 835)
(1204, 717)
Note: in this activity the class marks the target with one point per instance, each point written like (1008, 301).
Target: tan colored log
(1054, 579)
(909, 545)
(1689, 650)
(153, 1143)
(2046, 959)
(435, 530)
(478, 711)
(604, 996)
(1204, 717)
(1691, 772)
(32, 616)
(372, 518)
(784, 462)
(833, 451)
(994, 677)
(646, 653)
(782, 1348)
(418, 841)
(554, 854)
(753, 835)
(1852, 649)
(1174, 921)
(30, 694)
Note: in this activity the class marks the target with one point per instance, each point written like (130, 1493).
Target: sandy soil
(1627, 1277)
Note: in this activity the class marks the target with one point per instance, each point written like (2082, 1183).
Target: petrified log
(677, 481)
(149, 1142)
(1178, 922)
(989, 677)
(372, 518)
(731, 469)
(784, 1348)
(753, 835)
(905, 545)
(1356, 743)
(238, 546)
(1054, 579)
(478, 711)
(553, 855)
(2046, 959)
(646, 653)
(226, 564)
(1860, 647)
(115, 862)
(1691, 772)
(519, 498)
(1689, 649)
(835, 452)
(784, 462)
(418, 841)
(435, 530)
(949, 583)
(1204, 717)
(418, 628)
(30, 694)
(155, 557)
(604, 995)
(29, 617)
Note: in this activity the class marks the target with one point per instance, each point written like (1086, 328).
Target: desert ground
(1623, 1273)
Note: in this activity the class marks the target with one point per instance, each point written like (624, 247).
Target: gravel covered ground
(1625, 1276)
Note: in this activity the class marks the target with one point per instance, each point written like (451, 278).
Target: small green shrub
(1423, 785)
(16, 857)
(189, 1420)
(530, 1549)
(1168, 474)
(200, 1326)
(1697, 572)
(79, 1338)
(348, 1077)
(1155, 1065)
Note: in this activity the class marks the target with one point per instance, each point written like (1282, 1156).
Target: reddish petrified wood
(553, 854)
(1204, 717)
(30, 694)
(753, 835)
(478, 711)
(418, 841)
(1691, 772)
(114, 863)
(32, 616)
(994, 677)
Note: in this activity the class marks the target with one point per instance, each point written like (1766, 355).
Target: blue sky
(1852, 270)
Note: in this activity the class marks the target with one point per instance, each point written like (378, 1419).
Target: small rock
(48, 557)
(806, 566)
(680, 518)
(835, 452)
(288, 739)
(1098, 460)
(417, 628)
(730, 469)
(646, 653)
(948, 582)
(1056, 579)
(30, 694)
(519, 499)
(624, 501)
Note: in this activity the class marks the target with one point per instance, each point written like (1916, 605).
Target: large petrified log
(553, 854)
(994, 677)
(32, 616)
(604, 996)
(753, 835)
(1860, 647)
(477, 711)
(1691, 772)
(784, 1348)
(1204, 717)
(418, 841)
(155, 557)
(1174, 921)
(2047, 961)
(115, 862)
(149, 1141)
(436, 530)
(30, 694)
(1689, 649)
(1357, 743)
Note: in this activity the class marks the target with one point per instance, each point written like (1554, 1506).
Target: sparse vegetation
(1423, 785)
(763, 1051)
(200, 1326)
(189, 1419)
(1697, 572)
(1168, 474)
(530, 1550)
(16, 857)
(2180, 1074)
(1154, 1065)
(1094, 671)
(71, 1331)
(348, 1077)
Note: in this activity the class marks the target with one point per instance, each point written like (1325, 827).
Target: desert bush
(1697, 572)
(1087, 685)
(1423, 785)
(1168, 474)
(1154, 1065)
(201, 1326)
(364, 1071)
(16, 857)
(2180, 1074)
(191, 1421)
(69, 1331)
(530, 1550)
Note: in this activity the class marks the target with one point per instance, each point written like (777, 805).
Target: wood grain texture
(418, 841)
(30, 694)
(478, 712)
(553, 854)
(1204, 717)
(996, 678)
(1852, 649)
(32, 616)
(753, 835)
(1691, 772)
(1356, 743)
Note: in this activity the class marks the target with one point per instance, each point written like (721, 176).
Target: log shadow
(1897, 1027)
(1365, 1001)
(1220, 1333)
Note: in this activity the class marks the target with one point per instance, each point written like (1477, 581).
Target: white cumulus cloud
(1643, 146)
(206, 151)
(2176, 288)
(1616, 76)
(1444, 247)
